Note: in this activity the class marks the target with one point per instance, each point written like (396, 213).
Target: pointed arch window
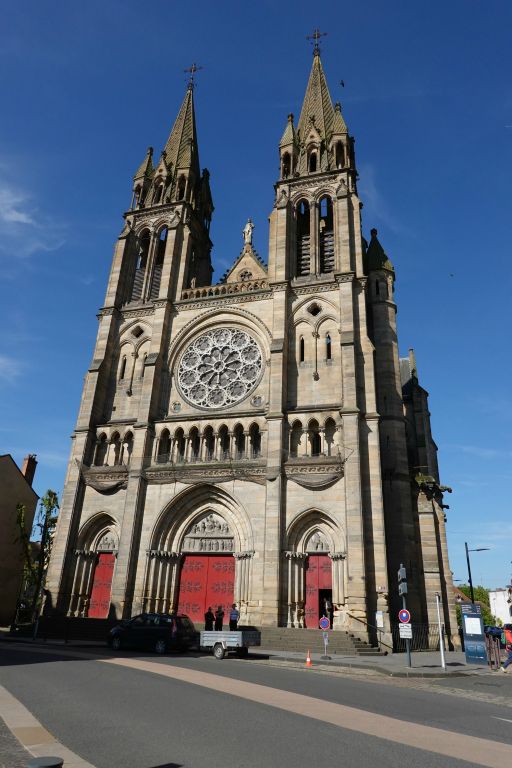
(179, 443)
(164, 447)
(239, 439)
(303, 245)
(326, 235)
(328, 347)
(286, 166)
(140, 266)
(127, 448)
(340, 154)
(301, 349)
(255, 438)
(122, 368)
(209, 444)
(159, 262)
(195, 444)
(182, 184)
(313, 162)
(101, 451)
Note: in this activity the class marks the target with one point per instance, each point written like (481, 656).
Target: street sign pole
(402, 590)
(441, 635)
(407, 641)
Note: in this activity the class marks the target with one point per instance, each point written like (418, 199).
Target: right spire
(320, 142)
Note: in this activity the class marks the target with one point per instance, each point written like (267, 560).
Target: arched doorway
(200, 556)
(207, 577)
(313, 571)
(95, 559)
(318, 579)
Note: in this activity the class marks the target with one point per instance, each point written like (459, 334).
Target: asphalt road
(175, 715)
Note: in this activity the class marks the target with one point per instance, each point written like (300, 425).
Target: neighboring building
(500, 601)
(15, 488)
(250, 441)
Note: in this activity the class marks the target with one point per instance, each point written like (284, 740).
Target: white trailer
(221, 643)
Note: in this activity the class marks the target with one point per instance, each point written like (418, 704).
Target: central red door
(99, 604)
(318, 577)
(206, 580)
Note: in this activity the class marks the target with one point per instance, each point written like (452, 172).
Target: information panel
(473, 630)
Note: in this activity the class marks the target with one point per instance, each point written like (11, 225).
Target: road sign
(402, 588)
(404, 616)
(324, 623)
(402, 574)
(326, 638)
(405, 631)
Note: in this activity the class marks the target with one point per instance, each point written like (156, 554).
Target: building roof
(8, 467)
(376, 257)
(181, 149)
(317, 103)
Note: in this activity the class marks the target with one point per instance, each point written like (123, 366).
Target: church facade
(257, 441)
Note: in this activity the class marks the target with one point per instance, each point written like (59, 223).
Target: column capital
(337, 555)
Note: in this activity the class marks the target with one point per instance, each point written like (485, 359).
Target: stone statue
(247, 232)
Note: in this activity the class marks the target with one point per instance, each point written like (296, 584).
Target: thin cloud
(376, 207)
(24, 231)
(10, 368)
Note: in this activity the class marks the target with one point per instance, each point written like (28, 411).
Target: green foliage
(29, 573)
(43, 529)
(482, 597)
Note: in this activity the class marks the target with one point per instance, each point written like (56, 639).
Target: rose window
(219, 368)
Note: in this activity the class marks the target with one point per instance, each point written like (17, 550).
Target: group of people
(214, 621)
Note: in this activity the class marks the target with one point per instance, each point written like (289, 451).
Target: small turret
(288, 149)
(142, 180)
(376, 257)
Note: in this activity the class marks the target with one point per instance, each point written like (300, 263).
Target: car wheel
(160, 646)
(218, 651)
(116, 643)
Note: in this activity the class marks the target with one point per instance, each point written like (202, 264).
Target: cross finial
(192, 71)
(316, 37)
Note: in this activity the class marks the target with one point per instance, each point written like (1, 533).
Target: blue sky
(86, 87)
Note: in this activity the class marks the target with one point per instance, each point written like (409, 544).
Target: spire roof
(146, 167)
(317, 102)
(376, 257)
(181, 148)
(289, 135)
(338, 124)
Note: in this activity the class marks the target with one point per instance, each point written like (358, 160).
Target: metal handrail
(379, 630)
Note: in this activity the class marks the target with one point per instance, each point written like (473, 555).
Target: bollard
(46, 762)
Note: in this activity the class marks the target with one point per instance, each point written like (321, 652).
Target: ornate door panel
(221, 584)
(99, 603)
(318, 576)
(193, 581)
(206, 580)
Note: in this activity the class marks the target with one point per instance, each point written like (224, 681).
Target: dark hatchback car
(159, 632)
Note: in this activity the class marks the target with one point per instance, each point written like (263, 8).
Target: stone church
(259, 440)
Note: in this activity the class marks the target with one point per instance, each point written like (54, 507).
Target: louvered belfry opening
(326, 236)
(303, 239)
(140, 268)
(159, 262)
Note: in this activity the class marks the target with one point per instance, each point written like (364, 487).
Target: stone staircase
(301, 640)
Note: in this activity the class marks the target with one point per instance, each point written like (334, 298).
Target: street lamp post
(479, 549)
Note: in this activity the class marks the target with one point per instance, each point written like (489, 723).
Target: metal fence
(425, 637)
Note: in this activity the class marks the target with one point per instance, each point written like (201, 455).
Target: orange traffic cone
(308, 659)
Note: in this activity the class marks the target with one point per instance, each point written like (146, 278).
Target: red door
(99, 603)
(318, 577)
(206, 580)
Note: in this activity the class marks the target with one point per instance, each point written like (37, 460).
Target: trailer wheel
(218, 651)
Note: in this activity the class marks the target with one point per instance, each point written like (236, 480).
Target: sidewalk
(424, 663)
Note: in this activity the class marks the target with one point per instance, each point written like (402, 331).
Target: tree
(35, 567)
(482, 597)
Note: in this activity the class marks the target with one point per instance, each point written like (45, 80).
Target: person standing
(219, 619)
(234, 616)
(507, 631)
(209, 618)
